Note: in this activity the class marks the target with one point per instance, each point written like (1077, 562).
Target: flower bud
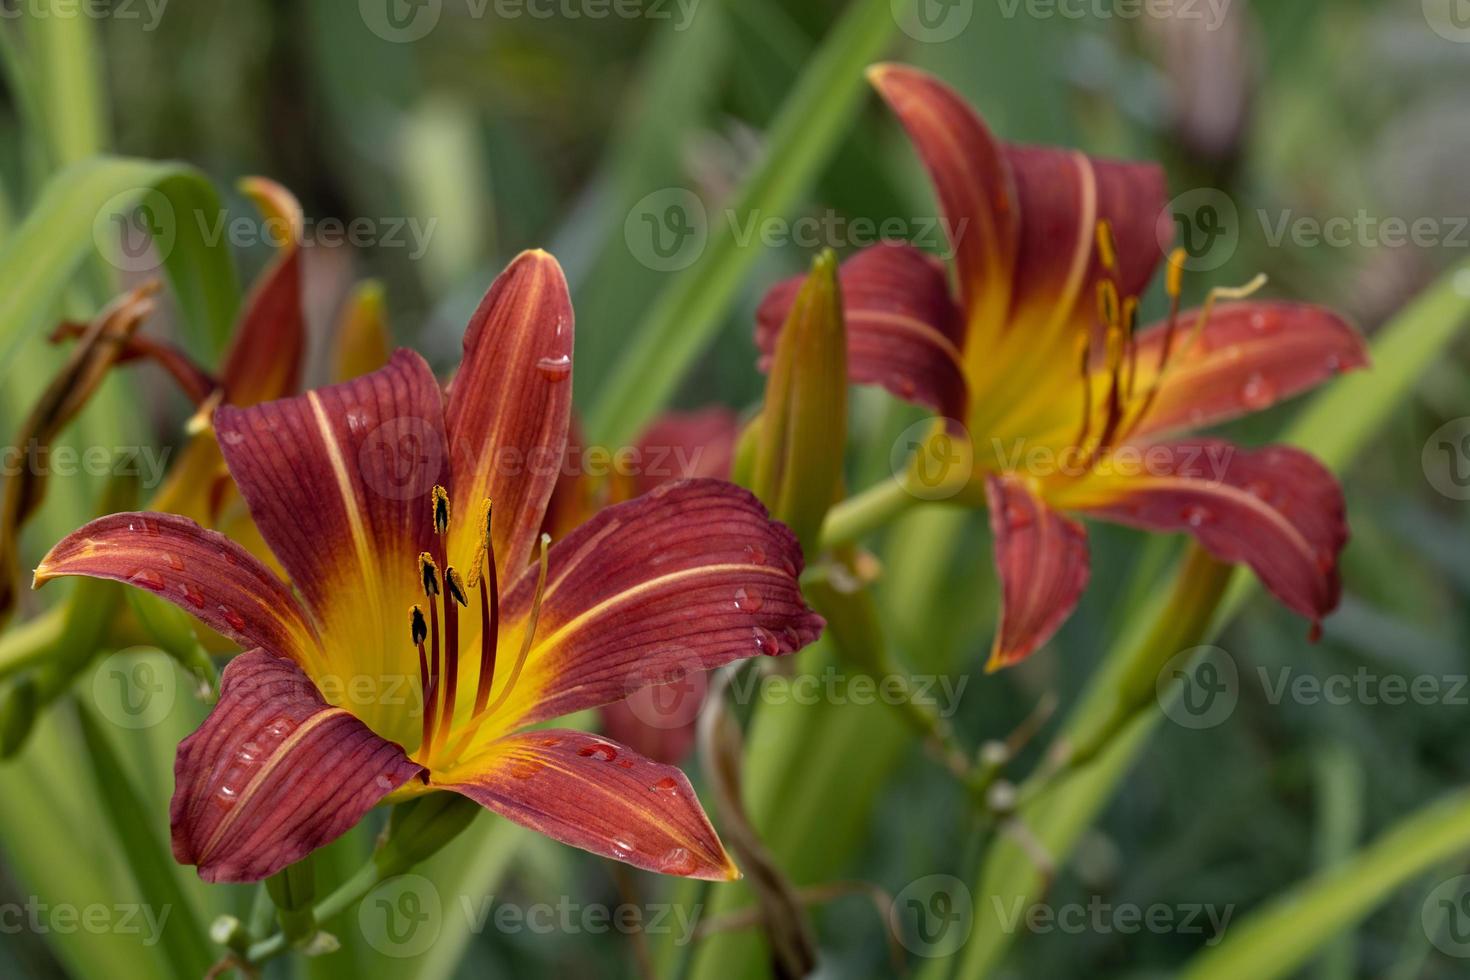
(797, 464)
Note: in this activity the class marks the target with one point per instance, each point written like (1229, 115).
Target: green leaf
(689, 311)
(48, 247)
(1281, 936)
(182, 937)
(1337, 426)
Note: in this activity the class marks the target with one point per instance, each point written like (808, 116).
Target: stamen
(530, 634)
(489, 612)
(441, 510)
(454, 588)
(1174, 286)
(1107, 252)
(429, 572)
(419, 630)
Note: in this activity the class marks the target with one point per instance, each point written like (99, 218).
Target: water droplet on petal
(625, 763)
(600, 751)
(174, 561)
(555, 369)
(748, 600)
(678, 862)
(1265, 321)
(1196, 515)
(147, 579)
(524, 768)
(1018, 516)
(765, 642)
(551, 740)
(249, 753)
(622, 848)
(236, 621)
(666, 785)
(195, 597)
(756, 554)
(1258, 392)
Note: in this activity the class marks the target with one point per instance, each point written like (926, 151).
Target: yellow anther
(1107, 302)
(441, 510)
(1107, 252)
(1174, 281)
(429, 574)
(454, 585)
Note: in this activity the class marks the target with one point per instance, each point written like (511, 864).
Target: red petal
(1063, 195)
(509, 407)
(1277, 510)
(685, 445)
(264, 359)
(1249, 356)
(202, 572)
(1042, 559)
(903, 328)
(688, 577)
(973, 182)
(600, 796)
(338, 481)
(274, 773)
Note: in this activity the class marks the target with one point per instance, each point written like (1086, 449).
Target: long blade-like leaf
(691, 308)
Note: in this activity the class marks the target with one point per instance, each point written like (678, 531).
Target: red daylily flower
(429, 637)
(1036, 351)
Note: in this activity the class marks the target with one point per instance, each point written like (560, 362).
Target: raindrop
(748, 600)
(1258, 392)
(1265, 321)
(677, 862)
(1196, 515)
(600, 751)
(756, 554)
(555, 369)
(146, 579)
(666, 785)
(236, 621)
(174, 561)
(765, 642)
(195, 597)
(621, 847)
(524, 768)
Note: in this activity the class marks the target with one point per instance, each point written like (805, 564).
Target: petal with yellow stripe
(202, 572)
(274, 773)
(509, 408)
(593, 793)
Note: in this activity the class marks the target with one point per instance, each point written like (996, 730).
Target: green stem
(348, 894)
(865, 512)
